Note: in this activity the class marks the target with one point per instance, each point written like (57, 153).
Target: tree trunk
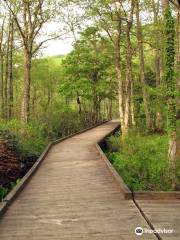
(127, 98)
(10, 84)
(132, 105)
(79, 104)
(34, 99)
(129, 105)
(142, 67)
(178, 61)
(119, 78)
(2, 83)
(2, 70)
(158, 118)
(110, 109)
(165, 4)
(171, 88)
(6, 78)
(25, 111)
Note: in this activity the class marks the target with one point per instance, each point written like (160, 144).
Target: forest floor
(11, 167)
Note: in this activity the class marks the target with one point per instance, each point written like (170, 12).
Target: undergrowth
(28, 139)
(141, 160)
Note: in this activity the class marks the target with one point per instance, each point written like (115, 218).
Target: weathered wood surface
(163, 214)
(73, 196)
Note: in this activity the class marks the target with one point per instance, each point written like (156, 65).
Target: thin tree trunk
(155, 6)
(25, 111)
(142, 67)
(165, 4)
(128, 81)
(132, 105)
(129, 75)
(119, 78)
(2, 70)
(34, 98)
(79, 104)
(6, 79)
(10, 85)
(110, 109)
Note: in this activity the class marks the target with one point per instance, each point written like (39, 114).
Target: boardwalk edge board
(124, 188)
(23, 182)
(128, 194)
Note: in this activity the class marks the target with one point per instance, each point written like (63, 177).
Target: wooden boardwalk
(73, 196)
(163, 214)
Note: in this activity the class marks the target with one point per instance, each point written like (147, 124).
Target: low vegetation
(141, 160)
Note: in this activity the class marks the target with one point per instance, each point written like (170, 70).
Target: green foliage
(113, 142)
(67, 122)
(5, 189)
(13, 184)
(142, 161)
(3, 192)
(28, 138)
(88, 71)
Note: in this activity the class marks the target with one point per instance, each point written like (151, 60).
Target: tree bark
(142, 66)
(165, 4)
(132, 105)
(2, 70)
(178, 62)
(6, 78)
(110, 103)
(171, 88)
(25, 111)
(117, 46)
(10, 84)
(155, 7)
(79, 104)
(128, 81)
(128, 106)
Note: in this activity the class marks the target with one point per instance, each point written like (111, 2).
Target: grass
(141, 160)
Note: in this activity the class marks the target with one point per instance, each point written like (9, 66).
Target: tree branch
(17, 22)
(47, 40)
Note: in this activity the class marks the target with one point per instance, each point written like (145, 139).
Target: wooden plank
(124, 188)
(163, 214)
(153, 195)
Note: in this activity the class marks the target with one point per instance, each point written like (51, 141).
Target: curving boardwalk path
(73, 196)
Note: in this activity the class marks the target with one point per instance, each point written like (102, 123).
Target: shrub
(142, 161)
(3, 192)
(113, 142)
(28, 139)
